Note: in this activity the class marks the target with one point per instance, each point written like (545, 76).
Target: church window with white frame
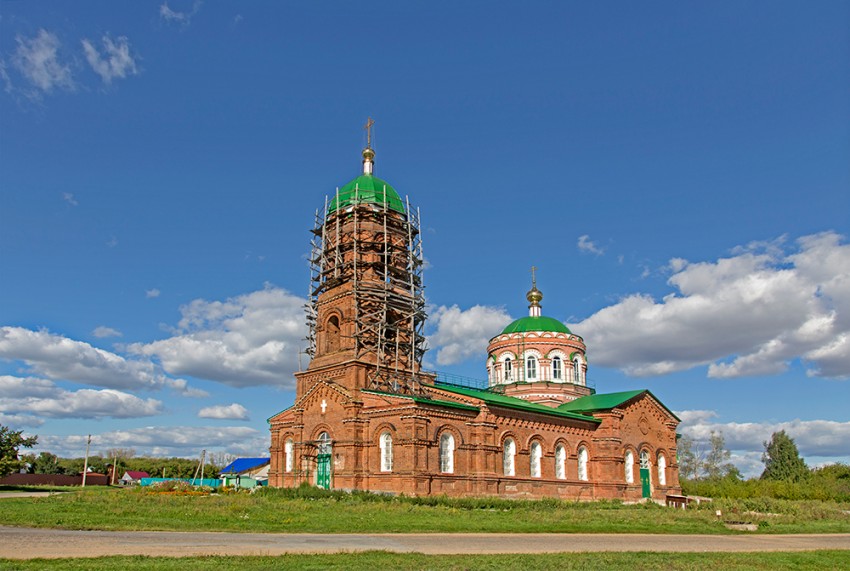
(509, 457)
(536, 455)
(447, 453)
(662, 470)
(288, 455)
(386, 443)
(560, 462)
(506, 368)
(531, 368)
(557, 369)
(582, 464)
(630, 467)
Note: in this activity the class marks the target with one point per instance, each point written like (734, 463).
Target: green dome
(367, 189)
(536, 324)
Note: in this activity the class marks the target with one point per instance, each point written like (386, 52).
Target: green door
(323, 471)
(644, 481)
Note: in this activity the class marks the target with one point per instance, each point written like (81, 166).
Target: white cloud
(19, 421)
(151, 293)
(174, 16)
(233, 411)
(69, 198)
(164, 441)
(60, 358)
(104, 331)
(749, 314)
(116, 62)
(461, 334)
(826, 439)
(42, 398)
(251, 339)
(37, 59)
(585, 244)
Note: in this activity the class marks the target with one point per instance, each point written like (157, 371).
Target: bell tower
(367, 307)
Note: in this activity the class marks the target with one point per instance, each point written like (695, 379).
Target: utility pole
(86, 461)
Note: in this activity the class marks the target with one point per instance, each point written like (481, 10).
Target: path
(29, 543)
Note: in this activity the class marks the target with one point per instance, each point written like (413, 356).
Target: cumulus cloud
(42, 398)
(586, 245)
(461, 334)
(116, 60)
(69, 198)
(38, 61)
(252, 339)
(233, 411)
(746, 315)
(174, 16)
(60, 358)
(164, 441)
(825, 439)
(104, 331)
(151, 293)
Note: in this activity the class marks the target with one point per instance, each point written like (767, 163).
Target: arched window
(386, 452)
(577, 377)
(531, 368)
(557, 369)
(506, 367)
(644, 460)
(662, 470)
(630, 467)
(332, 334)
(582, 463)
(324, 443)
(288, 455)
(560, 462)
(536, 455)
(447, 453)
(509, 458)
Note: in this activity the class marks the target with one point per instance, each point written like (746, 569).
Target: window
(386, 443)
(507, 369)
(288, 453)
(560, 462)
(630, 467)
(557, 369)
(644, 460)
(662, 469)
(531, 368)
(447, 453)
(324, 443)
(509, 458)
(332, 334)
(536, 456)
(577, 371)
(582, 463)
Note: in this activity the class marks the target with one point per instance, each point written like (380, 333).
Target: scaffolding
(373, 252)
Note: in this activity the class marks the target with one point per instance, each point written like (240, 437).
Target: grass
(308, 510)
(382, 560)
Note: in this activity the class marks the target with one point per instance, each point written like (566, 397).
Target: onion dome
(367, 189)
(536, 323)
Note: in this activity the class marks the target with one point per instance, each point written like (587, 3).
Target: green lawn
(370, 561)
(312, 511)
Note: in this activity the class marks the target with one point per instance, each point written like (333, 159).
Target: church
(368, 417)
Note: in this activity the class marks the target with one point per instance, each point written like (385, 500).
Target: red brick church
(367, 417)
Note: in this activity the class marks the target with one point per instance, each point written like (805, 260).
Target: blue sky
(679, 174)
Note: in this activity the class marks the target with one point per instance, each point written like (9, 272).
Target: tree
(716, 464)
(46, 463)
(782, 459)
(10, 441)
(688, 457)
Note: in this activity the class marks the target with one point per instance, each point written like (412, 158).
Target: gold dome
(534, 296)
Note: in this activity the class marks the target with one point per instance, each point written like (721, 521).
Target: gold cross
(533, 279)
(368, 128)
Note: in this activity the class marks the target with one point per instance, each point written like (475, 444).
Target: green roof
(496, 399)
(367, 189)
(607, 401)
(422, 400)
(536, 324)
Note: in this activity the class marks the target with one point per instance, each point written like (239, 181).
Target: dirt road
(29, 543)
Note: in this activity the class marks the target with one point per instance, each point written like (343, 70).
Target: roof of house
(423, 400)
(136, 474)
(608, 401)
(535, 323)
(504, 401)
(241, 465)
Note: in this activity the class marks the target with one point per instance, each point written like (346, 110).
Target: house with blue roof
(246, 473)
